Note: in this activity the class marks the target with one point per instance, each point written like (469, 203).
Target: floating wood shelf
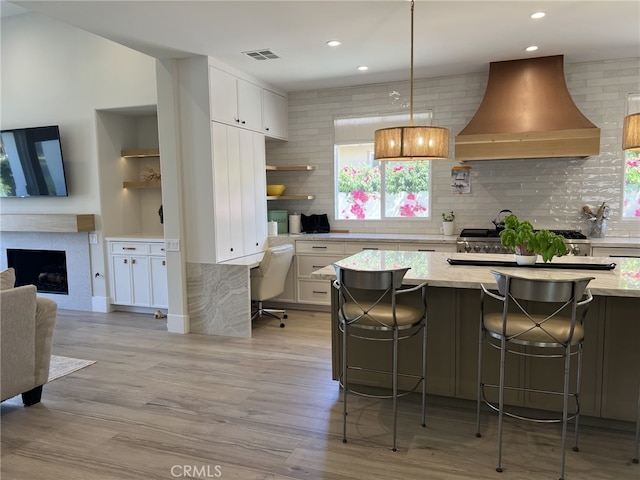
(290, 168)
(140, 153)
(52, 222)
(291, 197)
(156, 184)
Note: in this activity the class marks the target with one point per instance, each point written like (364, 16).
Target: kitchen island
(612, 339)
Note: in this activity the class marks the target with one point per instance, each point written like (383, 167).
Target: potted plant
(528, 244)
(448, 224)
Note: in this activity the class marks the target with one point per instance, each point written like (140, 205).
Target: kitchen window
(370, 190)
(631, 193)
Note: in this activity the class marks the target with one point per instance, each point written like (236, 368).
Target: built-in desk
(612, 338)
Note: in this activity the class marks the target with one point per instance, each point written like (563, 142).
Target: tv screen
(31, 163)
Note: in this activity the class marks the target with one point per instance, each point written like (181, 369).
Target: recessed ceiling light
(531, 48)
(537, 15)
(363, 68)
(333, 43)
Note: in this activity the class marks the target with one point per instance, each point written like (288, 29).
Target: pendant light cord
(411, 88)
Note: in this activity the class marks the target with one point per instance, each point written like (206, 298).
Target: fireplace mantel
(52, 222)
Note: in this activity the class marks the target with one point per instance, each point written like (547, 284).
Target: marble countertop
(432, 267)
(386, 237)
(135, 237)
(616, 242)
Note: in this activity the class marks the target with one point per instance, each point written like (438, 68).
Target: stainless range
(484, 240)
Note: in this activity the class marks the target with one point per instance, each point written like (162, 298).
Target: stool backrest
(541, 290)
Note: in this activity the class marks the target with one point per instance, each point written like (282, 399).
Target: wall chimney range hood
(527, 112)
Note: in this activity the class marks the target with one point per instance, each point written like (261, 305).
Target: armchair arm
(46, 313)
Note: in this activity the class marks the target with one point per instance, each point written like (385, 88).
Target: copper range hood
(527, 112)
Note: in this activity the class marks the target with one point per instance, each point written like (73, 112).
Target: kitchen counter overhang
(432, 267)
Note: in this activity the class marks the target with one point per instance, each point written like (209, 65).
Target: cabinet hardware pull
(425, 250)
(318, 247)
(133, 260)
(163, 262)
(370, 248)
(317, 291)
(162, 249)
(125, 261)
(128, 248)
(318, 266)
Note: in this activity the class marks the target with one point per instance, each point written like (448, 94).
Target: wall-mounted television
(31, 163)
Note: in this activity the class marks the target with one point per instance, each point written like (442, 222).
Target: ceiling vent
(527, 112)
(264, 54)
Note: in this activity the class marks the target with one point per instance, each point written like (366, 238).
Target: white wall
(54, 74)
(551, 192)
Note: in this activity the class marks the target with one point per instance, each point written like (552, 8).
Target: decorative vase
(448, 227)
(526, 259)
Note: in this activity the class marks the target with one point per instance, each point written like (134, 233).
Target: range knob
(498, 248)
(477, 248)
(487, 248)
(467, 248)
(575, 250)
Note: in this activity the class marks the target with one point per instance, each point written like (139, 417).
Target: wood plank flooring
(160, 406)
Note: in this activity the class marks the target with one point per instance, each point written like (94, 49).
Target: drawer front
(319, 248)
(356, 247)
(615, 252)
(310, 263)
(157, 249)
(427, 247)
(130, 247)
(314, 291)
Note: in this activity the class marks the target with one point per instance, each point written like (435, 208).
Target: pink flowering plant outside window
(407, 189)
(359, 192)
(631, 196)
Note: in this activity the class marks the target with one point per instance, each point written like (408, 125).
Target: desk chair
(368, 309)
(520, 332)
(268, 279)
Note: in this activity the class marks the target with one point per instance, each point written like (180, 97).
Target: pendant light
(631, 132)
(631, 126)
(411, 143)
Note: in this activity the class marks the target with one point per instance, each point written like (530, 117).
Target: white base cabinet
(138, 275)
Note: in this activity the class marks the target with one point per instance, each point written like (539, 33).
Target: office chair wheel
(281, 324)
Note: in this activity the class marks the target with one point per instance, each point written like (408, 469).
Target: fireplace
(46, 269)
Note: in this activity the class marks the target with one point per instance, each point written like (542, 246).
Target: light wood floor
(162, 406)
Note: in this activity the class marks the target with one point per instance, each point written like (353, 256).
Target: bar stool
(368, 310)
(517, 329)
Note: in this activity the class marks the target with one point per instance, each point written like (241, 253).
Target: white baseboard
(100, 304)
(178, 323)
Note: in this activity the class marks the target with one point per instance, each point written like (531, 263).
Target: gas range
(485, 240)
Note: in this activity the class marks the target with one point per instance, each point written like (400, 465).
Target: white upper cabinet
(274, 115)
(235, 101)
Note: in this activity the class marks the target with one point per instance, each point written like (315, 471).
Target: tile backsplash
(549, 192)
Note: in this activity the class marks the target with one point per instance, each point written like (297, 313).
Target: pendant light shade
(411, 143)
(631, 132)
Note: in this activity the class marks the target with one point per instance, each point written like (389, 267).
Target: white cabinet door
(240, 211)
(274, 115)
(234, 101)
(223, 94)
(121, 292)
(254, 200)
(159, 293)
(250, 105)
(140, 281)
(221, 213)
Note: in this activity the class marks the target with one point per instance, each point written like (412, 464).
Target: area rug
(61, 366)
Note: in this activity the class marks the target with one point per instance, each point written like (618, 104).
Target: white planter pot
(526, 259)
(448, 227)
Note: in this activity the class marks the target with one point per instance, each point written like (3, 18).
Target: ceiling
(451, 36)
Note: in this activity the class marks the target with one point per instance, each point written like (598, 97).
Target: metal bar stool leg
(565, 411)
(424, 376)
(503, 354)
(479, 396)
(635, 458)
(578, 393)
(395, 385)
(344, 384)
